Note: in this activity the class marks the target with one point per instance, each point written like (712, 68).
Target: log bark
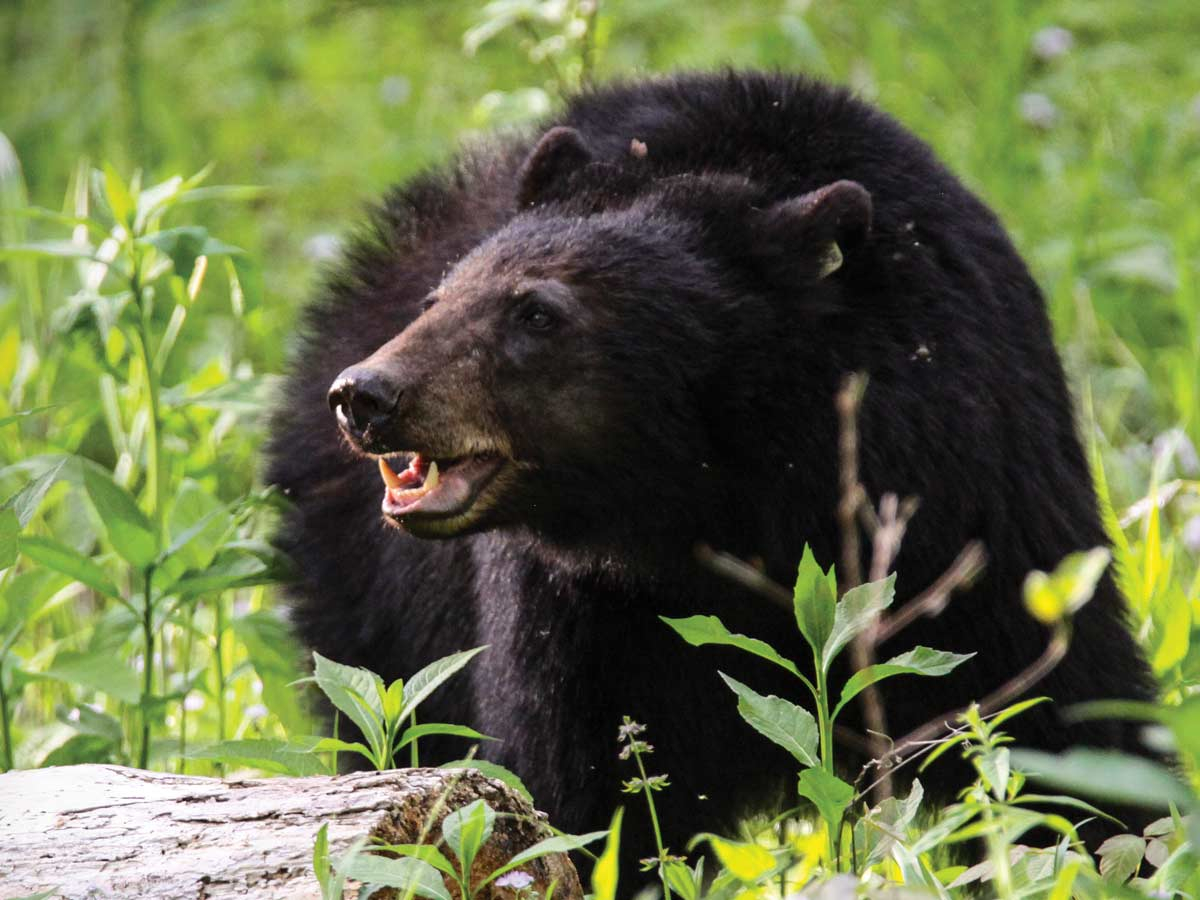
(107, 831)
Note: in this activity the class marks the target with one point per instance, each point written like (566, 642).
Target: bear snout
(364, 398)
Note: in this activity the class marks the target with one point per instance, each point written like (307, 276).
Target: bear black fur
(642, 321)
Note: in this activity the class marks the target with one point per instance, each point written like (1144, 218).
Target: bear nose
(362, 398)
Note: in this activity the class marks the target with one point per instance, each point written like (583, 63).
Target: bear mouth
(431, 489)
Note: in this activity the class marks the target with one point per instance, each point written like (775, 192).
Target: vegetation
(138, 596)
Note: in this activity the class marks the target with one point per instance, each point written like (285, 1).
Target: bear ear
(806, 238)
(559, 153)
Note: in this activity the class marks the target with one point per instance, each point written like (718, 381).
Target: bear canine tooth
(390, 478)
(431, 478)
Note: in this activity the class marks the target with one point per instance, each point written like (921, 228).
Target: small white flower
(193, 702)
(517, 880)
(1038, 110)
(1052, 42)
(256, 711)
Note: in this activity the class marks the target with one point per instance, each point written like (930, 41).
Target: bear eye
(536, 317)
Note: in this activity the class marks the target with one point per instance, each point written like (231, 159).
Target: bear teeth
(431, 477)
(390, 478)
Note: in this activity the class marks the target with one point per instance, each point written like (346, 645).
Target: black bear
(588, 351)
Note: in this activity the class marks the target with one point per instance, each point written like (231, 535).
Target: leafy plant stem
(219, 660)
(658, 842)
(998, 850)
(825, 732)
(416, 759)
(147, 667)
(5, 724)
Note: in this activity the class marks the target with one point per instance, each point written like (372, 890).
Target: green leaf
(492, 770)
(294, 757)
(747, 862)
(328, 744)
(1050, 598)
(61, 558)
(856, 611)
(1107, 775)
(994, 767)
(56, 249)
(26, 501)
(16, 417)
(785, 723)
(185, 244)
(128, 529)
(430, 678)
(117, 194)
(197, 525)
(1121, 857)
(406, 874)
(814, 601)
(419, 731)
(320, 858)
(606, 872)
(829, 793)
(98, 672)
(918, 661)
(354, 692)
(466, 830)
(9, 529)
(560, 843)
(427, 853)
(704, 630)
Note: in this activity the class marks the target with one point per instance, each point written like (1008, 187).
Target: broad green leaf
(747, 862)
(25, 502)
(857, 610)
(785, 723)
(1120, 857)
(128, 529)
(406, 874)
(187, 242)
(320, 858)
(9, 529)
(606, 872)
(427, 853)
(116, 192)
(354, 691)
(829, 793)
(814, 601)
(197, 524)
(393, 700)
(283, 757)
(61, 558)
(560, 843)
(702, 630)
(918, 661)
(681, 880)
(98, 672)
(492, 770)
(993, 767)
(1050, 598)
(326, 745)
(1107, 775)
(466, 830)
(430, 678)
(419, 731)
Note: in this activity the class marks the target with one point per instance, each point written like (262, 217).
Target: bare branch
(965, 568)
(729, 566)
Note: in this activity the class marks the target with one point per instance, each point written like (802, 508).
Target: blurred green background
(1078, 120)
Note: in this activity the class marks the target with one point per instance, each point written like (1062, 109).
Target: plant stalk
(147, 669)
(658, 842)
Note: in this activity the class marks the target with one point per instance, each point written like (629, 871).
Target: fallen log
(107, 831)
